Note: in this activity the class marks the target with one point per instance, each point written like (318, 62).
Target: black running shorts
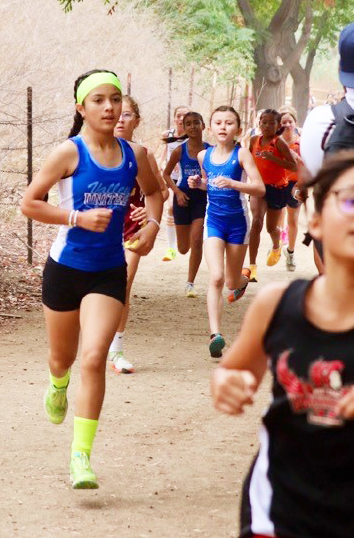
(195, 208)
(64, 287)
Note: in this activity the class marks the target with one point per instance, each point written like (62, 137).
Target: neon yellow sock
(84, 434)
(60, 382)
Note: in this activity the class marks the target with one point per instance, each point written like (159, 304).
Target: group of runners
(111, 190)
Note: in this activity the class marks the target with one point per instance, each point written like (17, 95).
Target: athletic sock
(117, 343)
(84, 434)
(171, 237)
(290, 251)
(60, 382)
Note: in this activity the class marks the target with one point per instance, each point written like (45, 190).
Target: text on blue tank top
(189, 165)
(223, 201)
(96, 186)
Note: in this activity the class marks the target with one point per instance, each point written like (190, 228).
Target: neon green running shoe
(81, 474)
(170, 254)
(55, 403)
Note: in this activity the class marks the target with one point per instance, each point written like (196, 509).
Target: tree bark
(268, 83)
(301, 75)
(301, 91)
(273, 58)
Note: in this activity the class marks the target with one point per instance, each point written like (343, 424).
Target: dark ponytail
(78, 123)
(78, 120)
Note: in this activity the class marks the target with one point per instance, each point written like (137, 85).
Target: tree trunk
(267, 92)
(301, 91)
(273, 56)
(269, 80)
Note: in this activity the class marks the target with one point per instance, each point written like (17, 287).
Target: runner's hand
(194, 181)
(95, 220)
(165, 194)
(182, 198)
(145, 239)
(346, 405)
(138, 214)
(232, 389)
(224, 182)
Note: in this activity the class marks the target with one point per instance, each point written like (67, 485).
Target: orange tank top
(294, 146)
(271, 173)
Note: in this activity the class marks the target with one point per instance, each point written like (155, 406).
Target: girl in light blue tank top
(224, 169)
(84, 279)
(188, 204)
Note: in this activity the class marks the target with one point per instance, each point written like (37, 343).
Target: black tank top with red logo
(301, 484)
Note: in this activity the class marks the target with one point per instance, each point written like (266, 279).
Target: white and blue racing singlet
(224, 201)
(189, 165)
(94, 186)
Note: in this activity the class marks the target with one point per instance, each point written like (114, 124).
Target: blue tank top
(221, 201)
(189, 165)
(92, 186)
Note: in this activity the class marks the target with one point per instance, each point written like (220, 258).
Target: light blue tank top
(221, 201)
(189, 165)
(91, 186)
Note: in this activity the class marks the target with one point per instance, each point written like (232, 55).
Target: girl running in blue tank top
(188, 204)
(301, 481)
(84, 280)
(226, 227)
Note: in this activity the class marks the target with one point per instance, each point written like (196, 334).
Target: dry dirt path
(168, 464)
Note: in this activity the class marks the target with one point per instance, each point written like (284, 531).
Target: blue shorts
(276, 197)
(231, 229)
(195, 209)
(290, 200)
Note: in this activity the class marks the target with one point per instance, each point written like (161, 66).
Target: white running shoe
(120, 365)
(190, 291)
(289, 259)
(112, 355)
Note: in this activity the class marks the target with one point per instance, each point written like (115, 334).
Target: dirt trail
(168, 464)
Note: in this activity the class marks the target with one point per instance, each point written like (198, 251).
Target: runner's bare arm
(156, 171)
(153, 202)
(199, 182)
(170, 166)
(240, 372)
(288, 162)
(61, 163)
(255, 187)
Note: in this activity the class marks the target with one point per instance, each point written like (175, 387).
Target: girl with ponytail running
(84, 280)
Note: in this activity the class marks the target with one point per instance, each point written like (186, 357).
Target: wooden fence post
(169, 98)
(129, 84)
(191, 87)
(29, 171)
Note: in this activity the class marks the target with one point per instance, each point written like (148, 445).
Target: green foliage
(68, 4)
(211, 36)
(329, 21)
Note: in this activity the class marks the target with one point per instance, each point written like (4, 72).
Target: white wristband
(75, 217)
(71, 214)
(151, 219)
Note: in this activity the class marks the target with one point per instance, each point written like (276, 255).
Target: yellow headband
(94, 80)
